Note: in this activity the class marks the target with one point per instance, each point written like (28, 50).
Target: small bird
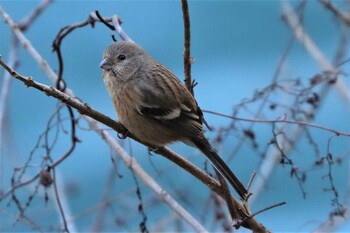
(155, 106)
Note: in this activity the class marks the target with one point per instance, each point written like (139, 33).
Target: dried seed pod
(45, 178)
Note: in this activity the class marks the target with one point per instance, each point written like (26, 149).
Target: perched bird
(154, 105)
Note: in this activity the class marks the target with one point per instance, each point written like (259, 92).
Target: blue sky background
(236, 46)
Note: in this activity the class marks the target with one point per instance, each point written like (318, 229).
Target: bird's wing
(164, 97)
(157, 103)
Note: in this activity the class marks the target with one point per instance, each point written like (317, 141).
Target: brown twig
(190, 86)
(228, 197)
(251, 180)
(56, 45)
(267, 208)
(283, 120)
(187, 43)
(59, 203)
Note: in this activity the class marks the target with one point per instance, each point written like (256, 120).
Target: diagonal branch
(27, 21)
(344, 17)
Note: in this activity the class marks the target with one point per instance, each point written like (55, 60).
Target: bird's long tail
(204, 146)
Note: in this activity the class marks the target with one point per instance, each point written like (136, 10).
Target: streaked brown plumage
(154, 105)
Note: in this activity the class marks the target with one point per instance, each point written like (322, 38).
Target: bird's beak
(105, 64)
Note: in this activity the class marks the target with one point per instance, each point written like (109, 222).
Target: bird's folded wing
(157, 103)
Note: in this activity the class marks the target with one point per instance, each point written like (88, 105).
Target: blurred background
(237, 47)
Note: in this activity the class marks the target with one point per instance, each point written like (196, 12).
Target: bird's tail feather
(204, 146)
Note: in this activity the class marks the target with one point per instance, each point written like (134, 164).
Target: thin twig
(344, 17)
(251, 180)
(187, 43)
(17, 186)
(116, 22)
(292, 20)
(26, 43)
(267, 121)
(13, 62)
(228, 198)
(4, 95)
(334, 222)
(188, 83)
(27, 21)
(61, 192)
(268, 208)
(104, 21)
(59, 203)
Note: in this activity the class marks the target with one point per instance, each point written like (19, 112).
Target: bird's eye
(121, 57)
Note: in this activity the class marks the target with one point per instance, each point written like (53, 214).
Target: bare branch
(4, 95)
(26, 22)
(310, 46)
(62, 203)
(333, 223)
(17, 186)
(117, 25)
(26, 44)
(187, 43)
(228, 198)
(283, 120)
(344, 17)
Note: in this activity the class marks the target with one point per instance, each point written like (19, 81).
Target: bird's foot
(123, 134)
(152, 149)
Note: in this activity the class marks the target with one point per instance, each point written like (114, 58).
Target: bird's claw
(152, 149)
(123, 135)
